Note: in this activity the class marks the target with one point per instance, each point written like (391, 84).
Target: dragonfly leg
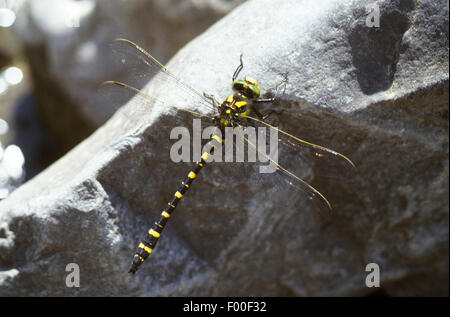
(261, 100)
(238, 69)
(268, 114)
(211, 98)
(264, 100)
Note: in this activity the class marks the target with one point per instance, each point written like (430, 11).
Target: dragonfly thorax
(235, 107)
(232, 110)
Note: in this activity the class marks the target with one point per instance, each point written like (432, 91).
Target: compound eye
(251, 81)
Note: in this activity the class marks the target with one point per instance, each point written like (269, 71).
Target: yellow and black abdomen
(149, 242)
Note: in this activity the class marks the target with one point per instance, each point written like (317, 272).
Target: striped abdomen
(149, 242)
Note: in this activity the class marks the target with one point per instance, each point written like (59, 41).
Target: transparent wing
(145, 67)
(287, 179)
(297, 143)
(300, 163)
(148, 101)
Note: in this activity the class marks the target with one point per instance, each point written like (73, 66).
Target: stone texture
(378, 95)
(67, 43)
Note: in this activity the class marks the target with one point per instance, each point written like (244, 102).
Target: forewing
(144, 67)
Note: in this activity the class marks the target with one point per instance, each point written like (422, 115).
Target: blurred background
(54, 54)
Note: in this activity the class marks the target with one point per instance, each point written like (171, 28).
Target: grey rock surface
(68, 45)
(378, 95)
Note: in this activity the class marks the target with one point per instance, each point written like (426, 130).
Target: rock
(68, 46)
(380, 96)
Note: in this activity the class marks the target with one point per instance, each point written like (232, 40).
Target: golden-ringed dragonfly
(237, 110)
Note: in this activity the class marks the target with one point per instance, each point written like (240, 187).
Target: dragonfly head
(247, 87)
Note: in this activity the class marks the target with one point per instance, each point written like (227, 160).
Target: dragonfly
(239, 109)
